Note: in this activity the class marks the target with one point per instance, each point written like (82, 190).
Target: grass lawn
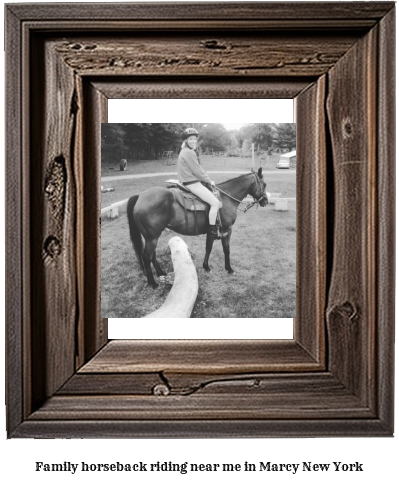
(263, 249)
(262, 255)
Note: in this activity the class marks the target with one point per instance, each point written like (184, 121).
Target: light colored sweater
(189, 169)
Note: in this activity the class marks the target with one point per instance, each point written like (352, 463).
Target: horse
(156, 209)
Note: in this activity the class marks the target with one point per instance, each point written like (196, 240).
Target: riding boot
(213, 232)
(219, 227)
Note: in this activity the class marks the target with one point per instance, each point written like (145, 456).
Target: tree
(112, 141)
(245, 133)
(233, 145)
(214, 136)
(285, 137)
(262, 135)
(139, 140)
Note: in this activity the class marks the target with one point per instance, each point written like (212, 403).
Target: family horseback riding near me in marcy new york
(177, 208)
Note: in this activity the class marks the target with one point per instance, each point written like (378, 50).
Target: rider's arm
(192, 163)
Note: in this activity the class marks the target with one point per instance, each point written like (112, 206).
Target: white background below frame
(201, 111)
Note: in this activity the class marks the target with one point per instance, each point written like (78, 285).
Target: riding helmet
(189, 132)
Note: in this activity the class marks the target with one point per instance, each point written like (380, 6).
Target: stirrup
(214, 233)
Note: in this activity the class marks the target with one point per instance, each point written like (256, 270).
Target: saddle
(189, 201)
(186, 198)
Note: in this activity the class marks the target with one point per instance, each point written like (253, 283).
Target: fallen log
(182, 296)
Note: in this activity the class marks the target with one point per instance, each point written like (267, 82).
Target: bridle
(257, 197)
(258, 183)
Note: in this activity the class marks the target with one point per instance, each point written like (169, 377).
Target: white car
(283, 163)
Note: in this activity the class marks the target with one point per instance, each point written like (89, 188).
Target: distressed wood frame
(64, 379)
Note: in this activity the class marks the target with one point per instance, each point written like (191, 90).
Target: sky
(233, 126)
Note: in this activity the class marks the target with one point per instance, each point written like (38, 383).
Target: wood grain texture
(311, 218)
(53, 196)
(291, 428)
(277, 11)
(340, 26)
(14, 238)
(189, 389)
(203, 407)
(255, 397)
(351, 307)
(385, 246)
(95, 112)
(200, 356)
(136, 384)
(238, 55)
(184, 384)
(171, 88)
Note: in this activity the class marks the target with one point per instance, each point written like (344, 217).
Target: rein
(249, 205)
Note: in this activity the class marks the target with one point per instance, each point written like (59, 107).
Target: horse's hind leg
(148, 255)
(157, 267)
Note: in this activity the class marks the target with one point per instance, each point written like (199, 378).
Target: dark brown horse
(156, 209)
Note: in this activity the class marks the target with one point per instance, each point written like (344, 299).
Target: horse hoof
(154, 285)
(230, 271)
(207, 269)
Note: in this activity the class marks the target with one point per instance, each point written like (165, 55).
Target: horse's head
(258, 188)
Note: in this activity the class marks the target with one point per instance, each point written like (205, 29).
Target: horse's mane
(233, 179)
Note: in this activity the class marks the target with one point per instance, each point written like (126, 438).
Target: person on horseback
(191, 173)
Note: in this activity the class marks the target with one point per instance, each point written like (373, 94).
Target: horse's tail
(135, 234)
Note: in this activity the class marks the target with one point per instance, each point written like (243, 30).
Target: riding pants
(199, 190)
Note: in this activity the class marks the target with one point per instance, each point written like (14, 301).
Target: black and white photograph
(198, 220)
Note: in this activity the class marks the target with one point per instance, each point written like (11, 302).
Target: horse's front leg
(158, 268)
(226, 250)
(209, 245)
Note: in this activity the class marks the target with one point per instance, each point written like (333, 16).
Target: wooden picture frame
(64, 379)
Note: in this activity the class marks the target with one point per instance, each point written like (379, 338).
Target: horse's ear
(260, 172)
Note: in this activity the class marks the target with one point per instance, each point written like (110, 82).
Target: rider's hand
(213, 183)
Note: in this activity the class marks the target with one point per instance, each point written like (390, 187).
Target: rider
(191, 173)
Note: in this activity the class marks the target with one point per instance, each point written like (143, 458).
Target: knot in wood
(90, 47)
(161, 390)
(52, 246)
(213, 44)
(347, 128)
(54, 189)
(349, 310)
(346, 310)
